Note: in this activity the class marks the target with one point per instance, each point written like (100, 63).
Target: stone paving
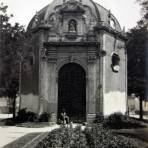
(9, 133)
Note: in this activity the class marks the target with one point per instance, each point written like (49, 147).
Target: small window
(112, 24)
(115, 62)
(72, 26)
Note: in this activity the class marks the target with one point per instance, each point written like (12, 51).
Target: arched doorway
(72, 91)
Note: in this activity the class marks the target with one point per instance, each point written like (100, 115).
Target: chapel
(77, 61)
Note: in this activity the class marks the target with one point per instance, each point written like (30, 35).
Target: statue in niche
(43, 53)
(72, 26)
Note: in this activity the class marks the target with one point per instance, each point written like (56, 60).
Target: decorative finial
(109, 17)
(36, 17)
(124, 29)
(64, 1)
(109, 14)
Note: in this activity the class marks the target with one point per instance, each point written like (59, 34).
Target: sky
(126, 11)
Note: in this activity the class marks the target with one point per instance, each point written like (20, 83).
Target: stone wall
(114, 83)
(4, 105)
(134, 106)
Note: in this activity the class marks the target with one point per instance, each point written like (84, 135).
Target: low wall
(134, 105)
(4, 105)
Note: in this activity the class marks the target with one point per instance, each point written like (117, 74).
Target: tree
(12, 39)
(138, 56)
(144, 10)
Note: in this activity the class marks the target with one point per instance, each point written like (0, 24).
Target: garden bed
(93, 136)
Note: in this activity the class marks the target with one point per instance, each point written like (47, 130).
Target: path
(9, 133)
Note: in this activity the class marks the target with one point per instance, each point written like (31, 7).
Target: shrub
(44, 117)
(98, 137)
(9, 122)
(24, 115)
(119, 121)
(99, 118)
(114, 120)
(31, 116)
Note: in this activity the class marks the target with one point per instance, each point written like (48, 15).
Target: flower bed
(93, 136)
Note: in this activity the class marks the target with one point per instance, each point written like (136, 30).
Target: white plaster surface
(30, 102)
(114, 102)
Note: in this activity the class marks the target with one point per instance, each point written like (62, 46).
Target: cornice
(82, 43)
(107, 28)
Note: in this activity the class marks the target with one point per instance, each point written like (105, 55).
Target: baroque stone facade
(77, 61)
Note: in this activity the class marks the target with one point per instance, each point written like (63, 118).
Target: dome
(99, 13)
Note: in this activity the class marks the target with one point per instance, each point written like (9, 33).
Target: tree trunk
(14, 104)
(141, 108)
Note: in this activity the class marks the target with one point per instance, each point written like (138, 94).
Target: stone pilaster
(91, 102)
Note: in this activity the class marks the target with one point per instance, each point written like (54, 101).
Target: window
(72, 26)
(115, 62)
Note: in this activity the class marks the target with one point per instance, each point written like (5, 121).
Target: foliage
(144, 10)
(99, 137)
(137, 61)
(137, 54)
(65, 137)
(9, 122)
(14, 49)
(24, 115)
(99, 118)
(119, 121)
(11, 45)
(44, 117)
(92, 137)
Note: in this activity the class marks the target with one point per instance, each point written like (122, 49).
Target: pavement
(145, 117)
(5, 116)
(10, 133)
